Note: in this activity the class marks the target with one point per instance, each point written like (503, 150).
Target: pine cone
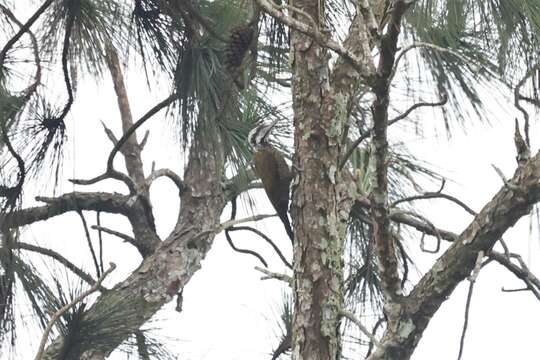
(239, 43)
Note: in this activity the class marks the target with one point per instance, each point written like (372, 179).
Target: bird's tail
(285, 220)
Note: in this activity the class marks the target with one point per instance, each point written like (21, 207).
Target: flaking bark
(164, 273)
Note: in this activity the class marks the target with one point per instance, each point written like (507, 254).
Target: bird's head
(258, 136)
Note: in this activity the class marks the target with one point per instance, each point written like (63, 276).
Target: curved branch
(244, 251)
(61, 259)
(22, 30)
(65, 59)
(369, 133)
(169, 174)
(37, 77)
(267, 239)
(435, 195)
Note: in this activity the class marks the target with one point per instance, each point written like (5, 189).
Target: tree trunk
(320, 204)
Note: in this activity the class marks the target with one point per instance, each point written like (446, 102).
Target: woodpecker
(271, 168)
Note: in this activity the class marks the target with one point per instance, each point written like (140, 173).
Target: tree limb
(407, 321)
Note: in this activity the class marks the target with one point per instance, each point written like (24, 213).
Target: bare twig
(267, 239)
(523, 153)
(89, 241)
(100, 241)
(506, 182)
(35, 48)
(472, 280)
(66, 307)
(109, 133)
(274, 275)
(142, 144)
(228, 224)
(435, 195)
(369, 133)
(110, 172)
(118, 234)
(521, 271)
(420, 44)
(374, 332)
(244, 251)
(61, 259)
(349, 315)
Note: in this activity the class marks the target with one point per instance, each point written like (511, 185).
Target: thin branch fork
(349, 315)
(436, 195)
(369, 133)
(65, 308)
(521, 271)
(111, 172)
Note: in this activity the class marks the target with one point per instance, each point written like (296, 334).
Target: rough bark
(321, 203)
(408, 319)
(130, 206)
(380, 213)
(120, 312)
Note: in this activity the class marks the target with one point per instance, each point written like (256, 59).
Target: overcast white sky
(228, 312)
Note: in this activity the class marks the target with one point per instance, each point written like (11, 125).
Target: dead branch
(66, 307)
(380, 213)
(267, 239)
(89, 242)
(273, 275)
(61, 259)
(521, 271)
(110, 172)
(244, 251)
(369, 133)
(349, 315)
(228, 224)
(472, 280)
(118, 234)
(435, 195)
